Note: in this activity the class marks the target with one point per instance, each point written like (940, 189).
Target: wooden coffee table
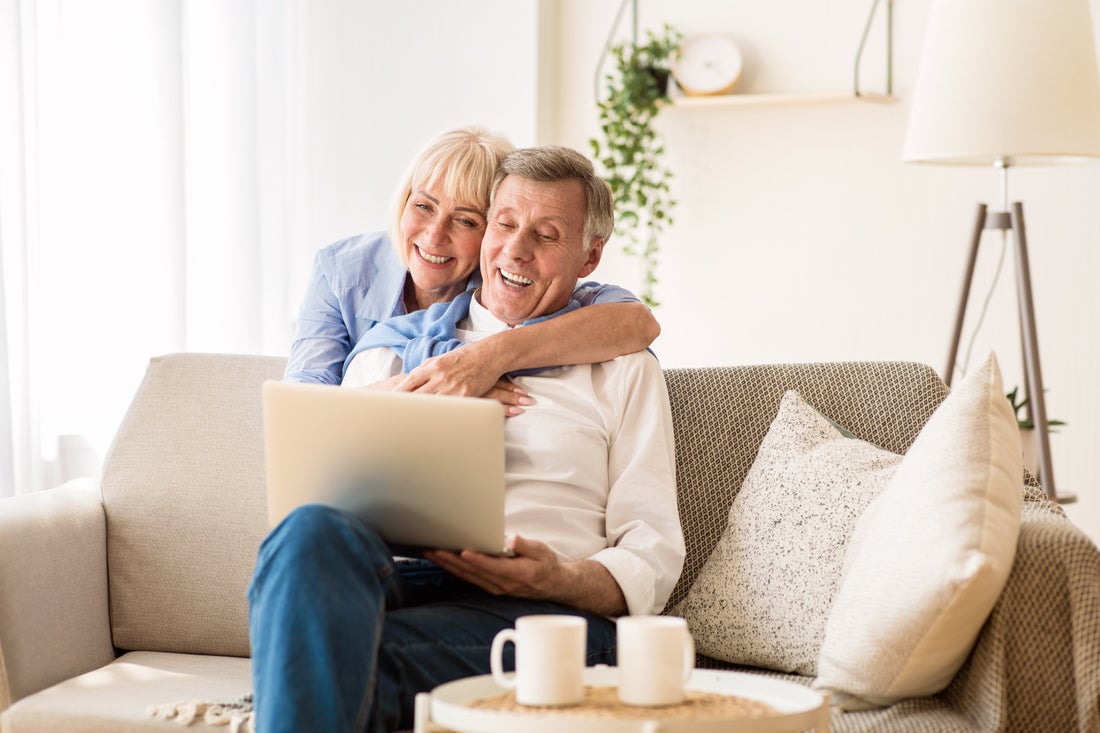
(451, 707)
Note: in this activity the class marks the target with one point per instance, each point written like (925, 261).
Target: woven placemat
(603, 702)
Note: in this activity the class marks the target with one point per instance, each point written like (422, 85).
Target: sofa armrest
(1034, 665)
(54, 621)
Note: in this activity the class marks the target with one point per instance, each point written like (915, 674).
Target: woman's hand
(511, 396)
(389, 384)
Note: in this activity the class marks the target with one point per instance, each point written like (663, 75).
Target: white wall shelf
(766, 99)
(778, 99)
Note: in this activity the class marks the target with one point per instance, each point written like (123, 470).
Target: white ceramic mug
(550, 653)
(656, 656)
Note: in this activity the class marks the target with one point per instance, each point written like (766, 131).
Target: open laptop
(427, 471)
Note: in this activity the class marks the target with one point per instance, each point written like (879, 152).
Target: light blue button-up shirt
(356, 283)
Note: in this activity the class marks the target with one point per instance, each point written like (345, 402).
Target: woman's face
(442, 243)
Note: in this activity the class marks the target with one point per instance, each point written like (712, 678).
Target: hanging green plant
(631, 151)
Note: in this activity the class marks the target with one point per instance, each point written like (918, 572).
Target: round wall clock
(707, 64)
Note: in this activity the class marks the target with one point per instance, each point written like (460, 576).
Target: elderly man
(344, 636)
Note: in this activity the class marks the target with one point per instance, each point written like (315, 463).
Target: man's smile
(514, 280)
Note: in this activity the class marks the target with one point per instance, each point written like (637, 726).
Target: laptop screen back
(424, 470)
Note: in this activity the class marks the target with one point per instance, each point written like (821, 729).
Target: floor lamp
(1005, 83)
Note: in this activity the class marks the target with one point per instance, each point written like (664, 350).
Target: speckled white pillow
(764, 594)
(930, 556)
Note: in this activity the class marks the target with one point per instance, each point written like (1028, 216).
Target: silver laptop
(424, 470)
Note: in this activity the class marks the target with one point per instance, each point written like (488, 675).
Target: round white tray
(800, 708)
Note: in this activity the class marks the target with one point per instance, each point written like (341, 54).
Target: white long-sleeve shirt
(590, 467)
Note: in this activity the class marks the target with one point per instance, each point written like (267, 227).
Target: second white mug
(656, 656)
(550, 654)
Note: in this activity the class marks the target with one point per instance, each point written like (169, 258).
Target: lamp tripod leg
(1032, 369)
(968, 277)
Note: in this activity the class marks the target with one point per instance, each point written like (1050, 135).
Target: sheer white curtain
(145, 207)
(171, 166)
(17, 441)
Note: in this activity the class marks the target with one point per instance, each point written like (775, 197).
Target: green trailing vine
(631, 152)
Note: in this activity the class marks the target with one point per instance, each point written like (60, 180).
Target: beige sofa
(130, 592)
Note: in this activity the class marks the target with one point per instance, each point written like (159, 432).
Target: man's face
(533, 251)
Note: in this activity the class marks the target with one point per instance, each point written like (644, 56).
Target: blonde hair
(462, 162)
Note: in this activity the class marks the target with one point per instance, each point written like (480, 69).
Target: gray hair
(553, 163)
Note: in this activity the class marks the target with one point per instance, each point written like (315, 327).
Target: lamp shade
(1008, 80)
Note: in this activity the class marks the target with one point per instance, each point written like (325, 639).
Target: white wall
(800, 236)
(377, 80)
(170, 168)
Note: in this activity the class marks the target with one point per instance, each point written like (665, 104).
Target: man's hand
(457, 373)
(535, 572)
(465, 372)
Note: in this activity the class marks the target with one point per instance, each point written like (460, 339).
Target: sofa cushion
(117, 698)
(763, 596)
(931, 554)
(183, 493)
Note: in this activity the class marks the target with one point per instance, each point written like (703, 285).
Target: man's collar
(483, 320)
(480, 317)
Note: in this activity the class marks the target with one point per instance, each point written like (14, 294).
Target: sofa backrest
(183, 493)
(183, 483)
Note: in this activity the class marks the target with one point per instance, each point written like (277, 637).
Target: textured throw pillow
(930, 556)
(764, 593)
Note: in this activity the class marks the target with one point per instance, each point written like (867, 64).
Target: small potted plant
(1027, 428)
(631, 151)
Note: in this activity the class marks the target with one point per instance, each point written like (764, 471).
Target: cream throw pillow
(930, 556)
(763, 595)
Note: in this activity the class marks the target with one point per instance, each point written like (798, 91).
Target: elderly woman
(431, 255)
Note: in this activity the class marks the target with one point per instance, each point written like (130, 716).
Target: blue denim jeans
(343, 637)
